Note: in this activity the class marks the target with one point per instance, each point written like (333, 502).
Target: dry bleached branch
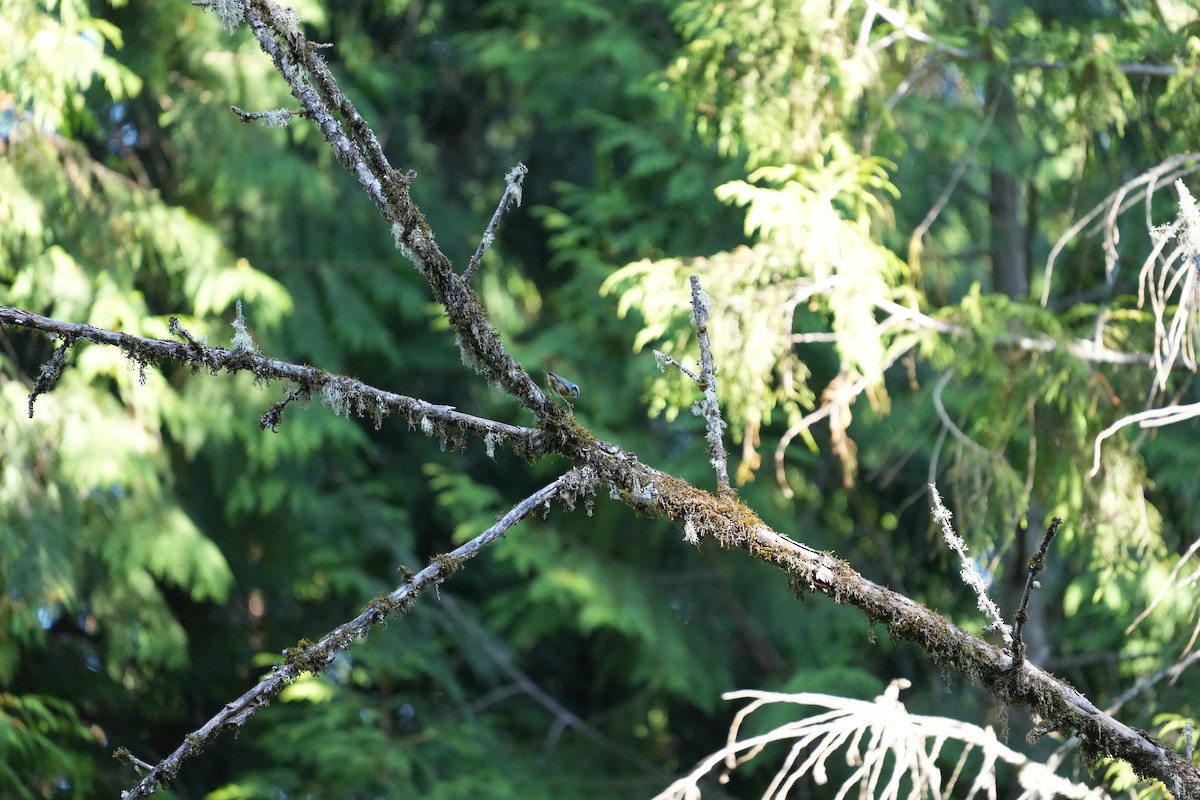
(885, 747)
(722, 519)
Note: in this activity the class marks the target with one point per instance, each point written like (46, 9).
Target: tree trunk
(1010, 270)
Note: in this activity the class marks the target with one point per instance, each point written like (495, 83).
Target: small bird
(561, 386)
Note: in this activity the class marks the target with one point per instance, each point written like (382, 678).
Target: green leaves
(38, 735)
(53, 56)
(769, 81)
(153, 539)
(814, 223)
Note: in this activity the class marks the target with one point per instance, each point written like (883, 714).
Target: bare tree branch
(314, 656)
(729, 523)
(722, 519)
(342, 394)
(1120, 199)
(512, 194)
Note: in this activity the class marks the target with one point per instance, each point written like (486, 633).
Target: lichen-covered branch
(511, 196)
(313, 657)
(708, 407)
(728, 523)
(720, 520)
(343, 395)
(358, 150)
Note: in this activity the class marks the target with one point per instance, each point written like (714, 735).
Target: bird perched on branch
(561, 387)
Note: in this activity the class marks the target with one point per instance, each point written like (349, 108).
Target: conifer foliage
(344, 350)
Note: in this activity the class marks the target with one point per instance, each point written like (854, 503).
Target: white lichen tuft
(290, 21)
(242, 340)
(690, 534)
(489, 443)
(514, 178)
(279, 118)
(662, 360)
(231, 12)
(469, 359)
(398, 234)
(336, 399)
(426, 426)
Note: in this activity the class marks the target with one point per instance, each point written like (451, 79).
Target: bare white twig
(1112, 206)
(1081, 348)
(1162, 276)
(914, 242)
(1150, 418)
(663, 360)
(1168, 585)
(950, 425)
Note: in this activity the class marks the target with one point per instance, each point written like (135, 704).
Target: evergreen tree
(872, 196)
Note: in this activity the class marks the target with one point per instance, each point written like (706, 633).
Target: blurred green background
(158, 551)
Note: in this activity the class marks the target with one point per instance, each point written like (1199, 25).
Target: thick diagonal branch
(359, 151)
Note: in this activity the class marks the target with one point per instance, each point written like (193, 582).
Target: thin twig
(1150, 418)
(950, 425)
(969, 572)
(275, 118)
(51, 371)
(564, 719)
(310, 657)
(1166, 586)
(709, 408)
(914, 242)
(512, 194)
(663, 360)
(1036, 565)
(1114, 204)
